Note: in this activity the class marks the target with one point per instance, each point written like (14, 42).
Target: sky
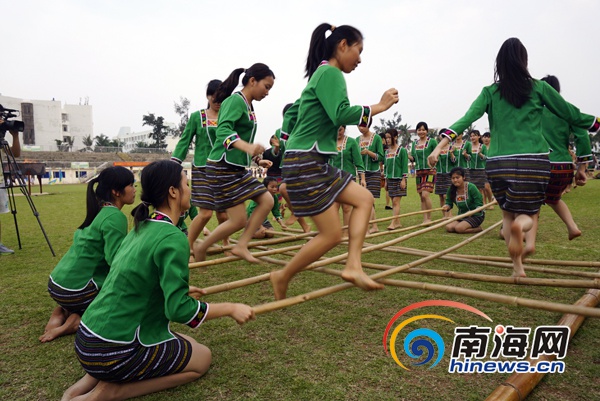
(131, 58)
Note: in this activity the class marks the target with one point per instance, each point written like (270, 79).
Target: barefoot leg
(69, 327)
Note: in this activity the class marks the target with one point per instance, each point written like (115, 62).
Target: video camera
(6, 125)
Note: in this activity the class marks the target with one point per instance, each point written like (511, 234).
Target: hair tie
(147, 204)
(332, 28)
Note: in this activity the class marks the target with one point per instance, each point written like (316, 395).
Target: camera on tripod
(14, 125)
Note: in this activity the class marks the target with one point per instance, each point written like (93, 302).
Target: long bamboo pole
(271, 306)
(482, 262)
(518, 386)
(545, 282)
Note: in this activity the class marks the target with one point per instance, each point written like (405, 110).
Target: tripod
(13, 178)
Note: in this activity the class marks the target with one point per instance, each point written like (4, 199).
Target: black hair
(157, 178)
(111, 178)
(212, 87)
(323, 48)
(511, 73)
(486, 134)
(476, 132)
(422, 124)
(552, 81)
(269, 180)
(456, 170)
(393, 133)
(286, 108)
(257, 71)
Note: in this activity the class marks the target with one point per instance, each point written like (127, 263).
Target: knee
(201, 360)
(205, 214)
(221, 216)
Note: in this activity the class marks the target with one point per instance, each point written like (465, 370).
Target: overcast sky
(136, 57)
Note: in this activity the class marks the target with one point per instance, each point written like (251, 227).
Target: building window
(65, 117)
(58, 174)
(80, 174)
(65, 128)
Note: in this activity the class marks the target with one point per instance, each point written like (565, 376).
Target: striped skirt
(116, 362)
(478, 177)
(312, 183)
(393, 187)
(73, 301)
(373, 179)
(561, 175)
(202, 194)
(519, 182)
(442, 183)
(231, 184)
(425, 180)
(474, 221)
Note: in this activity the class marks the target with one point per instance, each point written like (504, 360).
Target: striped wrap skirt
(561, 175)
(425, 180)
(442, 183)
(373, 179)
(202, 194)
(478, 177)
(231, 184)
(73, 301)
(312, 184)
(474, 221)
(519, 182)
(117, 362)
(393, 187)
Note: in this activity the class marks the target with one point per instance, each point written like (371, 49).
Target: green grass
(325, 349)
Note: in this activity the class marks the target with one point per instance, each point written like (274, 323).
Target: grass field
(325, 349)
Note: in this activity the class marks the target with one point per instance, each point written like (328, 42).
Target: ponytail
(323, 48)
(257, 71)
(110, 179)
(157, 178)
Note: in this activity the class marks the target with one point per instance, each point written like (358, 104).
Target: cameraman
(16, 151)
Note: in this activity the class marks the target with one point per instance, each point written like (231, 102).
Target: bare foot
(304, 225)
(57, 319)
(574, 234)
(291, 220)
(244, 253)
(426, 221)
(279, 285)
(519, 273)
(515, 245)
(373, 230)
(51, 334)
(206, 232)
(360, 279)
(393, 227)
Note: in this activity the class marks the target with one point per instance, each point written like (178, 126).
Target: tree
(403, 135)
(87, 141)
(61, 145)
(159, 130)
(116, 143)
(182, 109)
(102, 142)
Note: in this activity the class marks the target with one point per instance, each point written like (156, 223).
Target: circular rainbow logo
(422, 339)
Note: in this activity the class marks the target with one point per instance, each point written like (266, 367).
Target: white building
(130, 139)
(47, 121)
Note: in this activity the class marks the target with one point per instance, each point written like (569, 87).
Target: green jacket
(202, 131)
(93, 250)
(236, 121)
(146, 288)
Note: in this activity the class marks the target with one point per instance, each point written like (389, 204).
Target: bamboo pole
(545, 282)
(476, 261)
(518, 386)
(403, 215)
(271, 306)
(213, 262)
